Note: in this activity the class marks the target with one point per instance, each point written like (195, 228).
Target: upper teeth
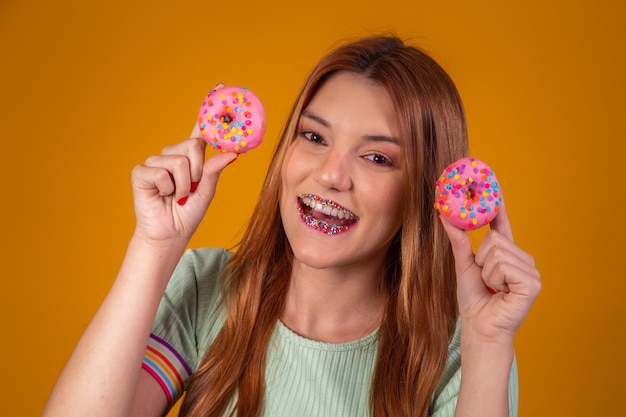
(329, 208)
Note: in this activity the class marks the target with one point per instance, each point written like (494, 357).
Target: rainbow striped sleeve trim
(167, 367)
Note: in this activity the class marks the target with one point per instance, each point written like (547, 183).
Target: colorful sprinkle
(472, 199)
(236, 114)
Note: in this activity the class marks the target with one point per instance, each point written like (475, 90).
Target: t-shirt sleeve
(189, 317)
(447, 393)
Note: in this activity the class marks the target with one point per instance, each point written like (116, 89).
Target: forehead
(349, 100)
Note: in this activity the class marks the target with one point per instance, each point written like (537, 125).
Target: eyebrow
(374, 138)
(316, 118)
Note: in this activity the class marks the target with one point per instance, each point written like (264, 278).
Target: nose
(334, 171)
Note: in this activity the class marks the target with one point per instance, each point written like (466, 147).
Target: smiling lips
(325, 215)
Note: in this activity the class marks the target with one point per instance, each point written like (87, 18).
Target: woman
(315, 314)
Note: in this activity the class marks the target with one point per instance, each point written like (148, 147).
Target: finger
(194, 150)
(492, 275)
(157, 180)
(497, 253)
(511, 278)
(196, 156)
(469, 280)
(496, 247)
(501, 222)
(213, 167)
(177, 167)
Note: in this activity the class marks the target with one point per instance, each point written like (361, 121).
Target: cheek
(390, 202)
(387, 191)
(290, 176)
(295, 167)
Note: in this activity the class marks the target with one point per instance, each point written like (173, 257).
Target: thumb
(195, 132)
(461, 246)
(468, 274)
(211, 171)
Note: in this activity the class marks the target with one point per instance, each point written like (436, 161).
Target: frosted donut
(232, 119)
(468, 194)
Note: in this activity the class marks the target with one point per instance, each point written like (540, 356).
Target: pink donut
(468, 194)
(232, 119)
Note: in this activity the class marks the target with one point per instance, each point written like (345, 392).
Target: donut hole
(471, 193)
(226, 118)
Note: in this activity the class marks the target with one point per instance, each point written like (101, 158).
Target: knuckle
(197, 144)
(162, 176)
(150, 161)
(498, 255)
(135, 173)
(536, 287)
(167, 150)
(501, 267)
(492, 239)
(185, 147)
(181, 163)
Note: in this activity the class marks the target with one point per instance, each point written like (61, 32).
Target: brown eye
(313, 137)
(379, 159)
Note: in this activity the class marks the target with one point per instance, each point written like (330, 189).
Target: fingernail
(233, 160)
(194, 186)
(491, 290)
(182, 201)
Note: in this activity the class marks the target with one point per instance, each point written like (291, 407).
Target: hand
(173, 190)
(496, 286)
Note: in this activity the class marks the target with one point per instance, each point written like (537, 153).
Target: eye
(379, 159)
(313, 137)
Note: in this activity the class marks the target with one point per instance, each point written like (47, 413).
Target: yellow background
(89, 89)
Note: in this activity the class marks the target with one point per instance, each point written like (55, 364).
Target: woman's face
(341, 196)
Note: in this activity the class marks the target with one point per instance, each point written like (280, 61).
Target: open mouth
(325, 215)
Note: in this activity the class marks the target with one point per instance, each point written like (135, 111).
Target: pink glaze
(468, 194)
(232, 119)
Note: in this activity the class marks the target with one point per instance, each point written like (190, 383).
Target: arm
(103, 376)
(495, 289)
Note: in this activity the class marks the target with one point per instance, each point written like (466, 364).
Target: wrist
(485, 378)
(161, 246)
(486, 351)
(488, 346)
(484, 332)
(477, 348)
(151, 261)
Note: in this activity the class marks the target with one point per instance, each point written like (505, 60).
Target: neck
(333, 305)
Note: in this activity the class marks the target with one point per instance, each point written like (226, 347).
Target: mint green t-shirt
(303, 377)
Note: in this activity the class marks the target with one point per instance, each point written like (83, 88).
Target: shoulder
(196, 282)
(204, 261)
(198, 269)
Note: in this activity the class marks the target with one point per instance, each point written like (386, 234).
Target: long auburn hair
(421, 311)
